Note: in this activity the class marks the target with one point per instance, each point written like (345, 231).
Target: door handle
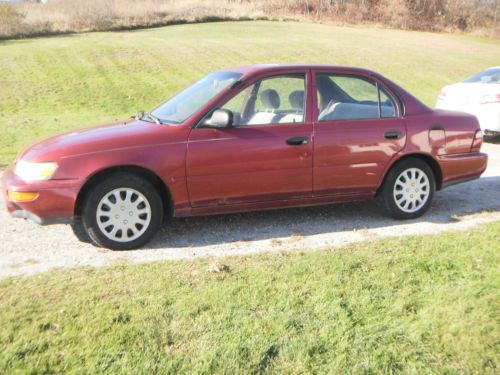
(297, 141)
(393, 135)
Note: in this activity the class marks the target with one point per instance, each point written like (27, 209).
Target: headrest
(296, 99)
(270, 98)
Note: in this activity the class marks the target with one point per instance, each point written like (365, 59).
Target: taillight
(477, 142)
(442, 95)
(490, 99)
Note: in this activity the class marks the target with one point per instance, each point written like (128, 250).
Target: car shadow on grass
(449, 205)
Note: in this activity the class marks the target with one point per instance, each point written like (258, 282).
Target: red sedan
(242, 139)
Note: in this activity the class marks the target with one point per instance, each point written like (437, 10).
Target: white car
(478, 95)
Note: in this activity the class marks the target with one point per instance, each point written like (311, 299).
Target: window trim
(395, 101)
(380, 85)
(303, 73)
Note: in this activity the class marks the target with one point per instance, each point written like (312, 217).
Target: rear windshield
(488, 76)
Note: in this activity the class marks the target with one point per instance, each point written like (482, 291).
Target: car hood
(99, 138)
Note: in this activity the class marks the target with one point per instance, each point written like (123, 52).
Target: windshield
(186, 103)
(488, 76)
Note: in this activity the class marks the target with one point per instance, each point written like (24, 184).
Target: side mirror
(221, 118)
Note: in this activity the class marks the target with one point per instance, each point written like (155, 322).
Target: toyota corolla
(242, 139)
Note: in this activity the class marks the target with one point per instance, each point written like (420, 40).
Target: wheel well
(431, 162)
(154, 179)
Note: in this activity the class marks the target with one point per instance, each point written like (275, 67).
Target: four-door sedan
(249, 138)
(478, 95)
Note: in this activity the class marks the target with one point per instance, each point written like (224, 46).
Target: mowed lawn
(52, 84)
(426, 304)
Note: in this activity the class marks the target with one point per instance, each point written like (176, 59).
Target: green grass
(426, 304)
(58, 83)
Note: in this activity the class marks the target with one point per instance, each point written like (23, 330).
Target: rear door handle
(393, 135)
(297, 141)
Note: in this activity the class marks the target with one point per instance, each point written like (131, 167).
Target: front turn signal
(22, 196)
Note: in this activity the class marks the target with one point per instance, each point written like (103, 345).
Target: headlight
(30, 172)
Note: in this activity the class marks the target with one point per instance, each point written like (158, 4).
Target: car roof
(251, 70)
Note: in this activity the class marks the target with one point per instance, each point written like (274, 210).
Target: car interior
(272, 114)
(262, 103)
(276, 100)
(336, 104)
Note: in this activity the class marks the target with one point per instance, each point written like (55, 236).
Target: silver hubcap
(411, 190)
(123, 215)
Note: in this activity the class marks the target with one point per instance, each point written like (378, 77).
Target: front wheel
(122, 212)
(408, 189)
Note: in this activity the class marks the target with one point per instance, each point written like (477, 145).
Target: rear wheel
(122, 212)
(408, 189)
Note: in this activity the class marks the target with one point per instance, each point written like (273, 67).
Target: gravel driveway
(26, 248)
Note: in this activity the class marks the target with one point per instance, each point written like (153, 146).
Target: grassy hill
(58, 83)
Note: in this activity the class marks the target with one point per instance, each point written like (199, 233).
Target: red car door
(267, 153)
(358, 129)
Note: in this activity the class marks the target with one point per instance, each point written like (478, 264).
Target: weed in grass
(425, 304)
(267, 358)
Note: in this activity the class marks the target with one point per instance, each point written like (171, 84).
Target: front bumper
(55, 203)
(23, 214)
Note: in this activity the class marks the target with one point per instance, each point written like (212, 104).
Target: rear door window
(343, 97)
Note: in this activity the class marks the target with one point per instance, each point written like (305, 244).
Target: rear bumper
(55, 203)
(457, 168)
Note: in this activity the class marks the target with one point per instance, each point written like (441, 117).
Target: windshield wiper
(147, 115)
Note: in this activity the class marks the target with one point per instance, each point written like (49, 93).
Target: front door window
(276, 100)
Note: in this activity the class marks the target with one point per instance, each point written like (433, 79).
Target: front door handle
(297, 141)
(393, 135)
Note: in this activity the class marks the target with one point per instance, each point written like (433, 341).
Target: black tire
(79, 231)
(389, 192)
(127, 182)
